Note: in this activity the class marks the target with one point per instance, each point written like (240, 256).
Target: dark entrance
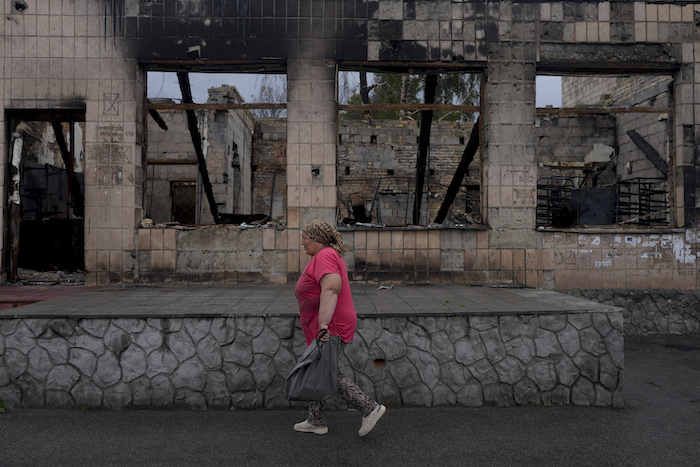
(46, 187)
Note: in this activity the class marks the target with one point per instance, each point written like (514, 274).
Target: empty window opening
(217, 142)
(46, 194)
(402, 135)
(604, 155)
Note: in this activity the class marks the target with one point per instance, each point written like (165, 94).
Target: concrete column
(311, 149)
(509, 146)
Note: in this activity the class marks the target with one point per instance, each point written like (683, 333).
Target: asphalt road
(660, 426)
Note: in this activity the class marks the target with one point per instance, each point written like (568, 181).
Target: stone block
(191, 374)
(22, 339)
(263, 371)
(86, 394)
(543, 373)
(216, 392)
(117, 397)
(62, 378)
(161, 361)
(108, 371)
(84, 360)
(181, 344)
(133, 362)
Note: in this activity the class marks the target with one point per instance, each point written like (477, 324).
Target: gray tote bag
(315, 376)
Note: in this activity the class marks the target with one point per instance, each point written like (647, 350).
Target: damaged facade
(598, 194)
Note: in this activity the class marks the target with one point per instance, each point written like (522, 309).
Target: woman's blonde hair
(324, 233)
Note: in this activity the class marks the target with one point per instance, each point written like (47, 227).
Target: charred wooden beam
(48, 115)
(278, 66)
(74, 194)
(193, 106)
(646, 148)
(573, 111)
(184, 80)
(460, 173)
(364, 93)
(426, 121)
(172, 161)
(426, 106)
(158, 119)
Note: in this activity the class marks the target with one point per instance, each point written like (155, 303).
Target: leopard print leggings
(349, 391)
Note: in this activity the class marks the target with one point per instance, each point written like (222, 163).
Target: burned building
(598, 193)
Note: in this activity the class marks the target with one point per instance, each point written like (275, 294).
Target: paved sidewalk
(271, 300)
(12, 296)
(658, 427)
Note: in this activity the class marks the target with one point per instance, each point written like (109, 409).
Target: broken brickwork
(269, 165)
(376, 164)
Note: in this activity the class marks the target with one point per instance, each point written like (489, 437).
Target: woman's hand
(323, 334)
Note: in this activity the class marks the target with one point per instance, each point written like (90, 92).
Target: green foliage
(394, 88)
(2, 406)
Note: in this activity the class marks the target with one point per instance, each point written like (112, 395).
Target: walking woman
(326, 308)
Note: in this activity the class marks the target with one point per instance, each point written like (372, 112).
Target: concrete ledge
(231, 347)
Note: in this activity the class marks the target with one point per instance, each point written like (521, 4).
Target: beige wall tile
(156, 260)
(652, 12)
(157, 239)
(144, 236)
(385, 240)
(281, 239)
(372, 240)
(409, 240)
(421, 240)
(268, 239)
(397, 240)
(592, 31)
(676, 13)
(434, 239)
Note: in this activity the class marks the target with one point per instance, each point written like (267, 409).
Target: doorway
(46, 197)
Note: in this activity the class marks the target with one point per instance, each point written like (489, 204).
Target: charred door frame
(12, 118)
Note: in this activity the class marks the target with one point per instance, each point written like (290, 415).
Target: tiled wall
(59, 55)
(439, 256)
(60, 52)
(624, 260)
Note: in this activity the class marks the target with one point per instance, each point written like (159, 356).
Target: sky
(165, 85)
(548, 91)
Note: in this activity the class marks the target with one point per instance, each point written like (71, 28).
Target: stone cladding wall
(657, 311)
(241, 362)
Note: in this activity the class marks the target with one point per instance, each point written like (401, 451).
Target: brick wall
(380, 158)
(226, 143)
(269, 163)
(571, 139)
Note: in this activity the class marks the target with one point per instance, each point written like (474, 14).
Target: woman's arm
(331, 284)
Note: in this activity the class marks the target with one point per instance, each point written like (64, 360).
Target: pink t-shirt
(308, 292)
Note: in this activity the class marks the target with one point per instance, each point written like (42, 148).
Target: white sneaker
(306, 427)
(370, 420)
